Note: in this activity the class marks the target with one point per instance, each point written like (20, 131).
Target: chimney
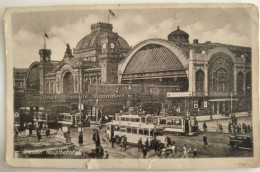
(195, 41)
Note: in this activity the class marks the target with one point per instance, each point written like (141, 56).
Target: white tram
(178, 125)
(132, 127)
(70, 119)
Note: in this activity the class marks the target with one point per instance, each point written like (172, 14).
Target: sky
(228, 26)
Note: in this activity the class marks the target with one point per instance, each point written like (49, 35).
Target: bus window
(141, 131)
(128, 129)
(122, 119)
(146, 132)
(122, 129)
(134, 130)
(132, 120)
(137, 119)
(116, 128)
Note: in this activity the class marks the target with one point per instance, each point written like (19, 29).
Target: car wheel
(118, 139)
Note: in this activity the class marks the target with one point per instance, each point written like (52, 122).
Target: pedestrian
(113, 141)
(47, 132)
(80, 139)
(185, 152)
(189, 153)
(217, 130)
(229, 127)
(239, 128)
(144, 150)
(106, 155)
(139, 144)
(248, 128)
(220, 127)
(205, 140)
(205, 126)
(195, 153)
(147, 142)
(39, 136)
(101, 152)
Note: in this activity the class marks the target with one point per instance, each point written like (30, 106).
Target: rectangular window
(122, 129)
(116, 128)
(151, 132)
(134, 130)
(146, 132)
(132, 120)
(122, 119)
(141, 131)
(128, 129)
(137, 120)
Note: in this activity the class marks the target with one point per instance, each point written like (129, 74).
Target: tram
(133, 128)
(45, 117)
(70, 119)
(178, 125)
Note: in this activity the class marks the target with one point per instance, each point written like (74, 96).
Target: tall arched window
(220, 73)
(199, 81)
(240, 82)
(68, 83)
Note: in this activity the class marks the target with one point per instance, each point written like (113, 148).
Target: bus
(178, 125)
(133, 130)
(70, 119)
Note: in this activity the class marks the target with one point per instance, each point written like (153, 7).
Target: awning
(222, 100)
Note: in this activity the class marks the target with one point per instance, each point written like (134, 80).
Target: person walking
(144, 150)
(80, 139)
(205, 126)
(39, 136)
(113, 141)
(220, 127)
(139, 144)
(229, 127)
(217, 130)
(185, 152)
(48, 132)
(147, 142)
(205, 140)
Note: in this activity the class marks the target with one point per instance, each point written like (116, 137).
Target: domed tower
(178, 36)
(105, 47)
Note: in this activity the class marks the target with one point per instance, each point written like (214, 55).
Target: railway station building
(166, 76)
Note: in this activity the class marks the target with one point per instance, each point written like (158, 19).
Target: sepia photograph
(114, 82)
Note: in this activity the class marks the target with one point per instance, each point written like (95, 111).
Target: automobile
(241, 141)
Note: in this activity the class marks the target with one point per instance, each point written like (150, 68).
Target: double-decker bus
(70, 119)
(178, 125)
(133, 128)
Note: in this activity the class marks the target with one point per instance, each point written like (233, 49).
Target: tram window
(146, 132)
(162, 121)
(128, 129)
(132, 120)
(141, 131)
(143, 120)
(134, 130)
(137, 120)
(127, 119)
(122, 119)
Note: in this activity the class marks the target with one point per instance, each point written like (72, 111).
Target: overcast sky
(229, 26)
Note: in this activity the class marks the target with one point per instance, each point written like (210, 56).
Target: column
(206, 82)
(235, 82)
(217, 107)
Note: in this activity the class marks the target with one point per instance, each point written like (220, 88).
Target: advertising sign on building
(179, 94)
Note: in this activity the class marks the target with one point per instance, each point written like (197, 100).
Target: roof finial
(178, 28)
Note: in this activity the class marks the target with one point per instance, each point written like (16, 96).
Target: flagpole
(108, 16)
(44, 40)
